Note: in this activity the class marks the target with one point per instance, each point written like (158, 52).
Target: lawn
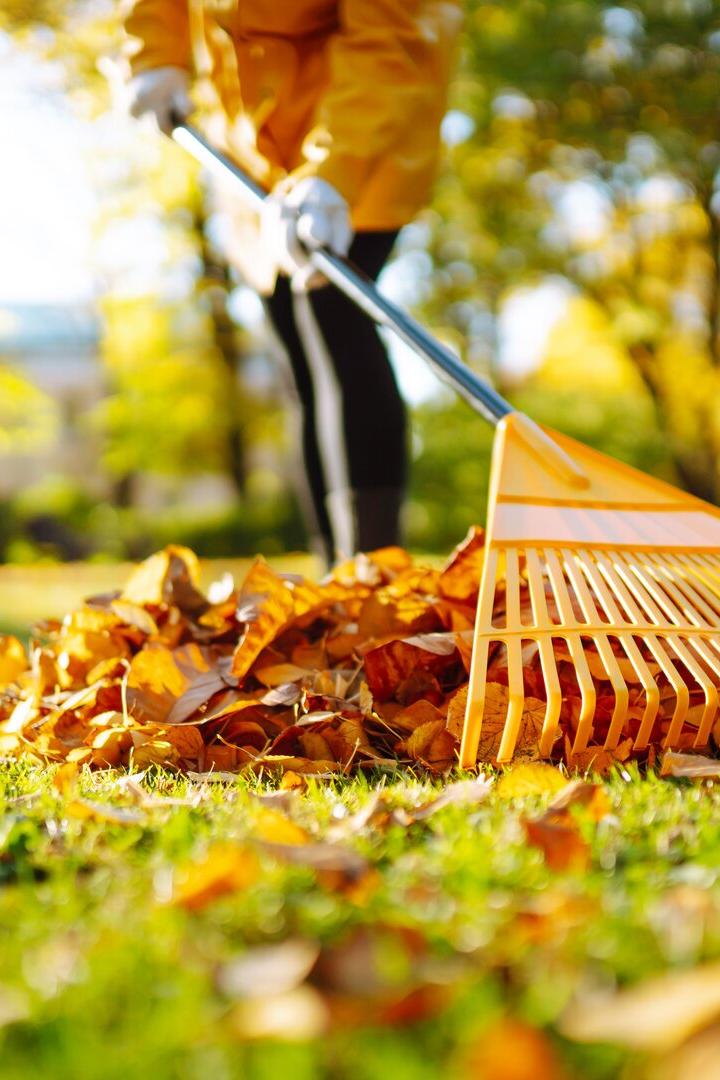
(183, 927)
(508, 925)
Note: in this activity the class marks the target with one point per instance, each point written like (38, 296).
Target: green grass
(457, 923)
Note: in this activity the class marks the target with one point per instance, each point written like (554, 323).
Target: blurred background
(571, 254)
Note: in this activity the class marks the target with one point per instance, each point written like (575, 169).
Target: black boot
(364, 519)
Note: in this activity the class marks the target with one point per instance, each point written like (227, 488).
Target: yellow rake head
(599, 608)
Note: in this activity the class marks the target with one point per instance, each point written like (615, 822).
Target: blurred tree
(172, 354)
(585, 143)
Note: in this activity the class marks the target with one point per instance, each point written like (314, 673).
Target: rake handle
(359, 288)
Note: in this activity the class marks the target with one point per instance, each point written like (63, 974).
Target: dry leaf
(13, 659)
(461, 793)
(511, 1050)
(275, 828)
(562, 846)
(523, 780)
(691, 766)
(226, 868)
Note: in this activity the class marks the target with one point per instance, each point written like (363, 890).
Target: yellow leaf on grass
(65, 778)
(86, 809)
(656, 1015)
(535, 779)
(226, 868)
(275, 828)
(155, 752)
(511, 1050)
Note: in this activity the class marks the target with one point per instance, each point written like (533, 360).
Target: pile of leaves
(368, 668)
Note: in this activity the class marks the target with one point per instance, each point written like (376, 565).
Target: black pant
(353, 418)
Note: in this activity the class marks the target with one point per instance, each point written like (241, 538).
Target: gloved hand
(163, 93)
(311, 213)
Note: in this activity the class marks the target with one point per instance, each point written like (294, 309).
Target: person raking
(334, 106)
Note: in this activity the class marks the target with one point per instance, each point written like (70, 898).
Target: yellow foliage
(582, 351)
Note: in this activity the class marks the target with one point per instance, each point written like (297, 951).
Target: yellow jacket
(349, 90)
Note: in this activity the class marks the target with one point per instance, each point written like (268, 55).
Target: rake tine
(585, 682)
(647, 595)
(631, 596)
(590, 611)
(472, 727)
(547, 656)
(624, 636)
(680, 587)
(516, 688)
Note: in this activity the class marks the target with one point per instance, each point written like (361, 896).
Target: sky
(46, 203)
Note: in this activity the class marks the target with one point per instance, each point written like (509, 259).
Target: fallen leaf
(511, 1050)
(65, 778)
(114, 815)
(520, 781)
(461, 793)
(690, 766)
(655, 1016)
(562, 846)
(13, 659)
(225, 868)
(275, 828)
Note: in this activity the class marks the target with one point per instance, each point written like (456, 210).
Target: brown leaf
(389, 665)
(493, 725)
(65, 779)
(432, 744)
(560, 842)
(582, 793)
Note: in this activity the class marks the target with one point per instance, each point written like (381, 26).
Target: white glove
(313, 214)
(163, 93)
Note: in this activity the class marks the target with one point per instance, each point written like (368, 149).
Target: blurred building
(54, 347)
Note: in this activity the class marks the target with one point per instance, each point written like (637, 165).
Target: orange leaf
(560, 842)
(226, 868)
(168, 577)
(266, 605)
(511, 1050)
(460, 577)
(13, 660)
(275, 828)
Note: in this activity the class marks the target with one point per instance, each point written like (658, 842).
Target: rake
(608, 578)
